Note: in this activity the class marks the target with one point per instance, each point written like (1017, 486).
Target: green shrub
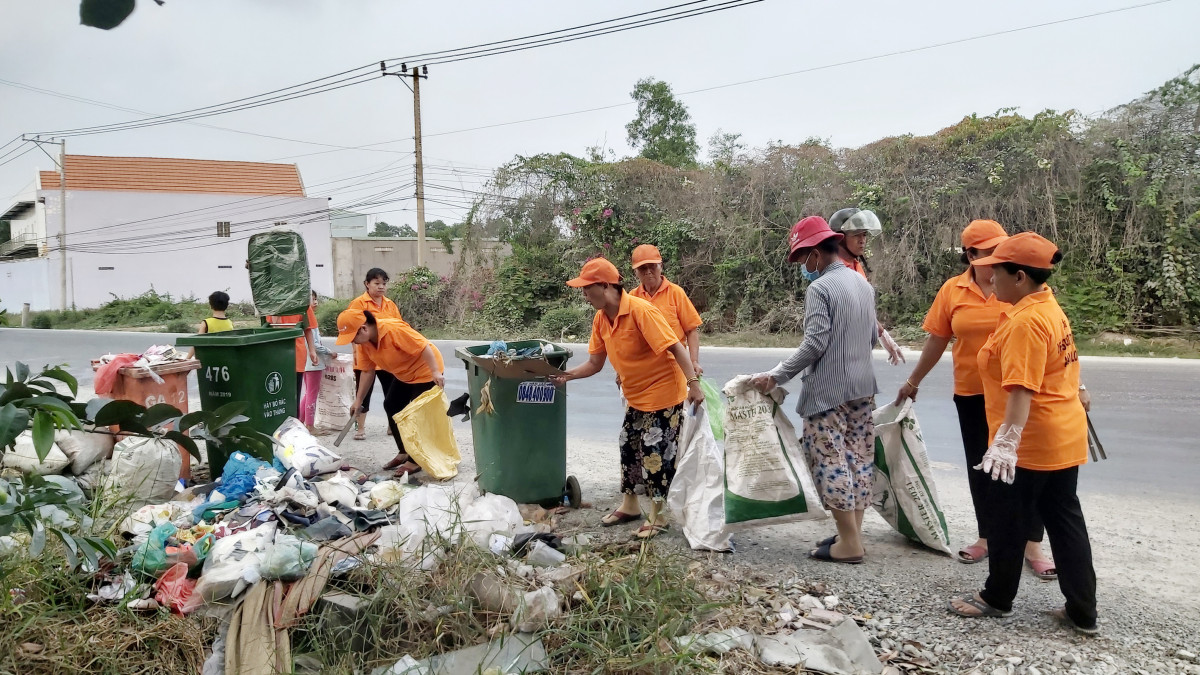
(565, 321)
(180, 326)
(327, 314)
(41, 320)
(422, 296)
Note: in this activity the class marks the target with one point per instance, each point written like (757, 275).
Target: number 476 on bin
(217, 373)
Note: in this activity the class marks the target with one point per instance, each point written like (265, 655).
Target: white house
(177, 226)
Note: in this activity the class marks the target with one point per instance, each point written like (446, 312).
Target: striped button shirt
(839, 332)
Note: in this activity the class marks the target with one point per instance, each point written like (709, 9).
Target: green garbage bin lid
(240, 337)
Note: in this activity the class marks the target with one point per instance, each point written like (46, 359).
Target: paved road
(1144, 409)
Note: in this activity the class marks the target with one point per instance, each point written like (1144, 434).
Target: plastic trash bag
(766, 480)
(388, 493)
(338, 489)
(289, 559)
(24, 458)
(428, 434)
(302, 451)
(714, 404)
(174, 588)
(151, 557)
(904, 492)
(697, 494)
(491, 514)
(232, 565)
(240, 463)
(145, 470)
(336, 394)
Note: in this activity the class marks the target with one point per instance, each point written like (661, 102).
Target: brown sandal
(619, 518)
(395, 462)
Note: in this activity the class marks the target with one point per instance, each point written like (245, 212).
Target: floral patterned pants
(649, 443)
(839, 445)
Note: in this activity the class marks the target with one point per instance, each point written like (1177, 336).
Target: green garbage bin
(521, 447)
(255, 365)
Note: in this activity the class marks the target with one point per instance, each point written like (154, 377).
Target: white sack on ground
(904, 492)
(145, 470)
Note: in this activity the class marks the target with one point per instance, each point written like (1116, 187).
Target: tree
(663, 129)
(382, 229)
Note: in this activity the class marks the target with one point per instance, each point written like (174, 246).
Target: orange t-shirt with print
(637, 342)
(675, 305)
(960, 311)
(399, 352)
(385, 310)
(1033, 347)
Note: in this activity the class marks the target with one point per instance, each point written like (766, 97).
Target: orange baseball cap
(646, 254)
(1027, 248)
(983, 234)
(348, 323)
(595, 271)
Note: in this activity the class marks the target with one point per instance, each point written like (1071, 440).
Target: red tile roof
(158, 174)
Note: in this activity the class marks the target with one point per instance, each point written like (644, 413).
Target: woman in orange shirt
(669, 298)
(412, 362)
(1030, 372)
(966, 310)
(375, 301)
(641, 344)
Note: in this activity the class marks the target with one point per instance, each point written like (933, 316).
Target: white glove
(1000, 460)
(895, 356)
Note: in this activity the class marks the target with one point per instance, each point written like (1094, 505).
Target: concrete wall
(353, 257)
(125, 243)
(24, 281)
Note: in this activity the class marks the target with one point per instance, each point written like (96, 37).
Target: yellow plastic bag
(428, 435)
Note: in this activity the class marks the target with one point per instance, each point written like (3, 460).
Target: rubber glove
(1000, 460)
(895, 356)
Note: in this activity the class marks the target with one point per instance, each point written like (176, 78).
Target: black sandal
(822, 553)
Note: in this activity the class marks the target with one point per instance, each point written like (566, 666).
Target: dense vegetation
(1119, 193)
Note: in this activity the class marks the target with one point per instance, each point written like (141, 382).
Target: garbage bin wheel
(573, 494)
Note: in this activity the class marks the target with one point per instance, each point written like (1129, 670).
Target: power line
(110, 106)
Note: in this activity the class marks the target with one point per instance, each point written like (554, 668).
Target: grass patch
(147, 309)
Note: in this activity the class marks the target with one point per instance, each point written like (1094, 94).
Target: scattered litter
(302, 451)
(517, 653)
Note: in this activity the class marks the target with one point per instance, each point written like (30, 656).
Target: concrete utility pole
(418, 73)
(62, 234)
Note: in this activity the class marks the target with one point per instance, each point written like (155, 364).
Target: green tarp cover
(279, 272)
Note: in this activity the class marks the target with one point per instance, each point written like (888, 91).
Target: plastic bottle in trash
(546, 556)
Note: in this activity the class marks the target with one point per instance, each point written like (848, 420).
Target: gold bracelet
(692, 379)
(908, 381)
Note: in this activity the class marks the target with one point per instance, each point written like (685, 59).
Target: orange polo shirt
(1033, 347)
(960, 311)
(301, 346)
(387, 310)
(637, 343)
(675, 306)
(399, 352)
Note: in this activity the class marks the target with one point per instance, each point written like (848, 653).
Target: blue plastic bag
(151, 557)
(239, 463)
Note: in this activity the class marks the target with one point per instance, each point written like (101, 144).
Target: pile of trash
(108, 366)
(256, 547)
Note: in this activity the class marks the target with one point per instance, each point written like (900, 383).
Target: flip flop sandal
(969, 555)
(822, 553)
(1060, 615)
(395, 462)
(619, 518)
(360, 435)
(1043, 569)
(647, 531)
(985, 610)
(830, 541)
(404, 469)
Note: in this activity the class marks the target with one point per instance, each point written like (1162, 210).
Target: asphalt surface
(1144, 410)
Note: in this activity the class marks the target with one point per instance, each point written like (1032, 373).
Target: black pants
(1051, 495)
(396, 396)
(972, 421)
(385, 380)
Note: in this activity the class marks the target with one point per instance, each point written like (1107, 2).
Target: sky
(190, 54)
